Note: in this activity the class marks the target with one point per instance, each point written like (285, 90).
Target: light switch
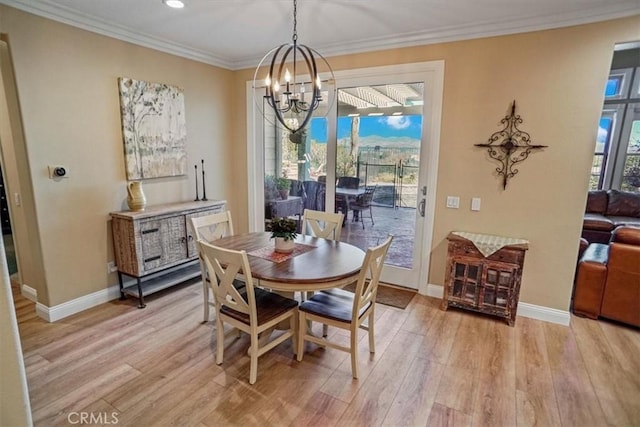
(453, 202)
(475, 204)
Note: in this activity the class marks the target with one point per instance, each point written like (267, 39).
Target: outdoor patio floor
(399, 221)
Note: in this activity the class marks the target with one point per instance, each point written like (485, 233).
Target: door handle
(421, 207)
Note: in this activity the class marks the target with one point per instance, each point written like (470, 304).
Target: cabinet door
(499, 284)
(465, 282)
(164, 242)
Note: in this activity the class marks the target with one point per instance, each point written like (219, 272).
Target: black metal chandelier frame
(292, 98)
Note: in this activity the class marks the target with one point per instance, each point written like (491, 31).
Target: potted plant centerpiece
(283, 185)
(284, 231)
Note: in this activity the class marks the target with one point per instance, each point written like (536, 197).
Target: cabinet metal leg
(141, 303)
(122, 295)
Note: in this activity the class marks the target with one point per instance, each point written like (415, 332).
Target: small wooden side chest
(490, 284)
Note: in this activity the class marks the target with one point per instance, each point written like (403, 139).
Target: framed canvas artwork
(153, 129)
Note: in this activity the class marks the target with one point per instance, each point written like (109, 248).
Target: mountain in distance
(387, 142)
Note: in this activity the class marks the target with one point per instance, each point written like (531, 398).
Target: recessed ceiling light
(175, 4)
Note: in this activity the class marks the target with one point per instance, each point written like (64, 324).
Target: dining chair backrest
(212, 227)
(365, 198)
(327, 225)
(224, 266)
(367, 284)
(348, 182)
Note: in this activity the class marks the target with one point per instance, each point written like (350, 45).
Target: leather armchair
(608, 283)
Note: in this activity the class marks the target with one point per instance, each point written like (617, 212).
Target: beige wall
(67, 85)
(66, 81)
(557, 78)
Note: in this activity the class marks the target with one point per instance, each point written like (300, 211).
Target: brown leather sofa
(608, 209)
(608, 282)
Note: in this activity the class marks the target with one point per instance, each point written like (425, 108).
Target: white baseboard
(29, 293)
(537, 312)
(66, 309)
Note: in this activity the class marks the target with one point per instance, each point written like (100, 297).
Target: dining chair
(362, 203)
(346, 310)
(252, 310)
(327, 225)
(210, 228)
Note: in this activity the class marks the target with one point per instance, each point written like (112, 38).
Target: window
(616, 160)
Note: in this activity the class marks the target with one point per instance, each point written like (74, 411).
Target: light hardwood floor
(156, 366)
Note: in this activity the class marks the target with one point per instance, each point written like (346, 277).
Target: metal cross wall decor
(510, 146)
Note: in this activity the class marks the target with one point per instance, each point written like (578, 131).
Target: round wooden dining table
(315, 264)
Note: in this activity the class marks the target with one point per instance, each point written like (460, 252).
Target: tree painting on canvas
(153, 128)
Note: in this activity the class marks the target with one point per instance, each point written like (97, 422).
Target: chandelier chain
(295, 20)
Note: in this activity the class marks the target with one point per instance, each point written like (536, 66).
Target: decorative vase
(284, 246)
(135, 197)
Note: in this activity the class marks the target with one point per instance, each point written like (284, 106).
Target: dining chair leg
(354, 353)
(325, 330)
(253, 370)
(302, 330)
(205, 291)
(372, 345)
(220, 341)
(293, 322)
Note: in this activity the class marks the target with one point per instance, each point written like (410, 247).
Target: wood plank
(575, 396)
(495, 403)
(618, 393)
(372, 402)
(320, 410)
(535, 395)
(442, 416)
(412, 405)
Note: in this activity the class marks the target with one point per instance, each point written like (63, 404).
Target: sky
(383, 126)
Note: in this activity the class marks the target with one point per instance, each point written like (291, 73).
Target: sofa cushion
(623, 203)
(627, 235)
(625, 220)
(593, 221)
(597, 201)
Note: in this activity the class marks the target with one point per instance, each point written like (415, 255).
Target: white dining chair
(327, 225)
(346, 310)
(254, 311)
(210, 228)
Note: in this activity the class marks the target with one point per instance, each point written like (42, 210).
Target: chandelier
(293, 85)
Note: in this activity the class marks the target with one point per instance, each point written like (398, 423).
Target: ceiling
(235, 34)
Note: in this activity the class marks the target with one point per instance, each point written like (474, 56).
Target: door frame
(432, 74)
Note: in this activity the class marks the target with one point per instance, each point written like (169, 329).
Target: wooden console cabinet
(490, 284)
(156, 246)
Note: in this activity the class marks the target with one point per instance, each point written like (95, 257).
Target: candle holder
(204, 190)
(197, 198)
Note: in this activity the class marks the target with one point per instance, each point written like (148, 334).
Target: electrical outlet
(111, 267)
(475, 203)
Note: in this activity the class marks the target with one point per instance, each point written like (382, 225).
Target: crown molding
(65, 15)
(60, 13)
(468, 32)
